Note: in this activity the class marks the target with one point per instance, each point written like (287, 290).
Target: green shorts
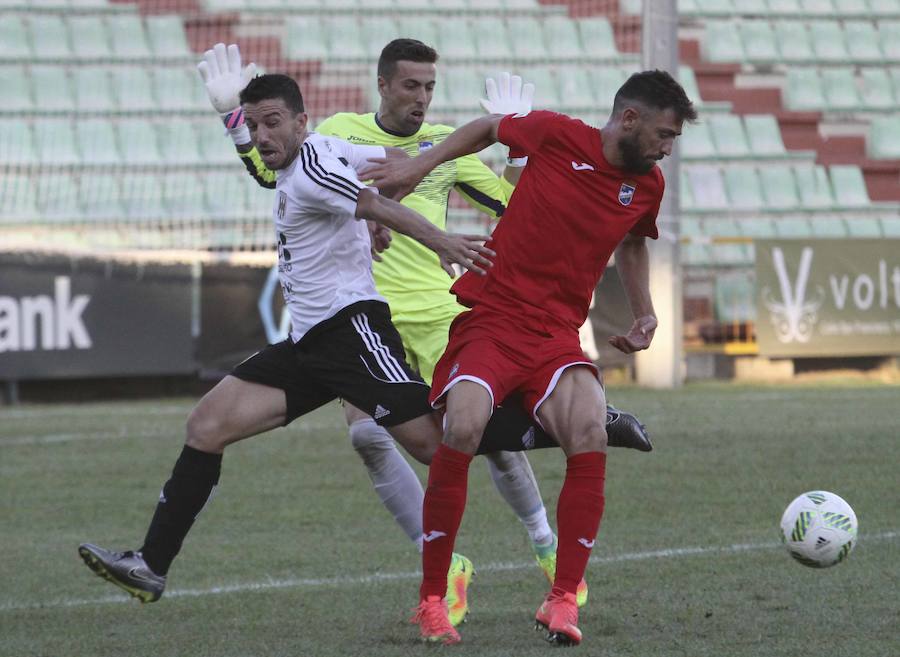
(425, 336)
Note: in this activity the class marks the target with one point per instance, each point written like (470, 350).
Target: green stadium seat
(96, 141)
(606, 80)
(167, 36)
(142, 196)
(863, 227)
(849, 185)
(696, 142)
(803, 90)
(575, 88)
(890, 226)
(526, 38)
(758, 39)
(696, 255)
(456, 40)
(226, 193)
(179, 89)
(49, 37)
(13, 38)
(854, 7)
(814, 186)
(793, 41)
(792, 227)
(128, 37)
(828, 41)
(178, 142)
(688, 82)
(133, 88)
(691, 226)
(93, 89)
(884, 138)
(491, 38)
(722, 42)
(419, 27)
(52, 88)
(215, 6)
(785, 8)
(732, 255)
(839, 85)
(58, 197)
(55, 141)
(378, 31)
(18, 198)
(546, 90)
(728, 135)
(183, 196)
(462, 86)
(138, 142)
(88, 36)
(18, 146)
(779, 188)
(307, 39)
(635, 7)
(883, 8)
(828, 226)
(707, 187)
(719, 227)
(345, 38)
(876, 92)
(715, 7)
(215, 146)
(597, 39)
(520, 4)
(561, 37)
(889, 31)
(817, 7)
(862, 41)
(764, 135)
(743, 188)
(895, 81)
(16, 87)
(101, 196)
(686, 196)
(758, 228)
(259, 202)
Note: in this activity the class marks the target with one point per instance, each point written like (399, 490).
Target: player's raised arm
(468, 251)
(508, 95)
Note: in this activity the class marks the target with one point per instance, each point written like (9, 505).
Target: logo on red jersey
(626, 192)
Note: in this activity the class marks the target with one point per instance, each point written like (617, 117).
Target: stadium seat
(884, 138)
(52, 88)
(728, 135)
(686, 197)
(18, 198)
(779, 188)
(785, 7)
(215, 146)
(758, 228)
(526, 38)
(226, 193)
(792, 227)
(803, 90)
(877, 92)
(743, 188)
(55, 141)
(546, 90)
(179, 88)
(889, 31)
(142, 196)
(88, 36)
(814, 186)
(419, 27)
(722, 42)
(307, 39)
(345, 38)
(183, 195)
(93, 89)
(751, 7)
(574, 87)
(607, 80)
(18, 146)
(758, 41)
(839, 86)
(696, 142)
(561, 37)
(862, 42)
(597, 39)
(849, 186)
(734, 298)
(491, 38)
(378, 31)
(100, 196)
(764, 135)
(715, 7)
(13, 38)
(854, 7)
(178, 142)
(138, 142)
(828, 226)
(863, 227)
(793, 41)
(456, 40)
(719, 227)
(688, 82)
(49, 37)
(890, 226)
(882, 8)
(127, 36)
(133, 88)
(58, 197)
(707, 187)
(816, 7)
(828, 41)
(96, 141)
(167, 36)
(16, 87)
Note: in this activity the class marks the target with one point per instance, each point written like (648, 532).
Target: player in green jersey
(417, 288)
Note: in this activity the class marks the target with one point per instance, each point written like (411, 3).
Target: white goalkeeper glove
(224, 80)
(510, 96)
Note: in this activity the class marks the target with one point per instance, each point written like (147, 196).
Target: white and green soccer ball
(819, 529)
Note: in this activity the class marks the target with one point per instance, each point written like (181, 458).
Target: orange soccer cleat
(434, 622)
(558, 616)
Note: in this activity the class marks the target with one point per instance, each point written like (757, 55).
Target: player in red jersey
(585, 194)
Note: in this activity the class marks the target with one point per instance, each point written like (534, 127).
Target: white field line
(40, 412)
(350, 581)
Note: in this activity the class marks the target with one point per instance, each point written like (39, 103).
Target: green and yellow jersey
(410, 276)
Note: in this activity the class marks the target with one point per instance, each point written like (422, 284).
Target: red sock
(578, 514)
(445, 501)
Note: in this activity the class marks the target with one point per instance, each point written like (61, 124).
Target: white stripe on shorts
(391, 368)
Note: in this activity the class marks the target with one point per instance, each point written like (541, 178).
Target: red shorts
(506, 354)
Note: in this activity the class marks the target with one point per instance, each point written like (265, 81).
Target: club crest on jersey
(453, 370)
(626, 193)
(425, 145)
(282, 204)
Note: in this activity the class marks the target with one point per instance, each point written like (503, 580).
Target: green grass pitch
(296, 557)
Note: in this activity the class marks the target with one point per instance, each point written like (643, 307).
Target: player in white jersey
(343, 343)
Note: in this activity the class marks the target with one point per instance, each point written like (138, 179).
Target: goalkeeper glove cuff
(235, 126)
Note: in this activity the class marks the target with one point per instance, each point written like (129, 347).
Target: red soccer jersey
(570, 210)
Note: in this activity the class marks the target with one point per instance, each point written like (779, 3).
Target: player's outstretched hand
(467, 251)
(508, 95)
(638, 337)
(223, 76)
(394, 177)
(381, 237)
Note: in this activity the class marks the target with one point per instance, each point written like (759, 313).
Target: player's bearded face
(276, 131)
(405, 97)
(650, 140)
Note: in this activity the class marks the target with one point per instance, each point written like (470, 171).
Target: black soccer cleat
(625, 430)
(127, 570)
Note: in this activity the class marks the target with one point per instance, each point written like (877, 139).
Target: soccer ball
(819, 529)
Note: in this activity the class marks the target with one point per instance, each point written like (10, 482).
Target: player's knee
(463, 432)
(593, 434)
(205, 431)
(367, 437)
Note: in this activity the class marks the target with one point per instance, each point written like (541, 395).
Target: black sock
(193, 478)
(510, 429)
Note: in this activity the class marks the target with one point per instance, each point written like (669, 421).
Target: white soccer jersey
(324, 256)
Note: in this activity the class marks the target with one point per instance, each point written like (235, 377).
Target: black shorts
(356, 355)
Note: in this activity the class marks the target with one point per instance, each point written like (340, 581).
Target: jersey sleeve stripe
(351, 186)
(496, 206)
(352, 195)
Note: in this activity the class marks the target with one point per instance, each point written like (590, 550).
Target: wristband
(516, 162)
(235, 126)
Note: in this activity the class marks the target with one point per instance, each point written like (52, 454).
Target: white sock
(396, 483)
(515, 481)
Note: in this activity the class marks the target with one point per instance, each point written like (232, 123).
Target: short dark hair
(408, 50)
(655, 89)
(274, 85)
